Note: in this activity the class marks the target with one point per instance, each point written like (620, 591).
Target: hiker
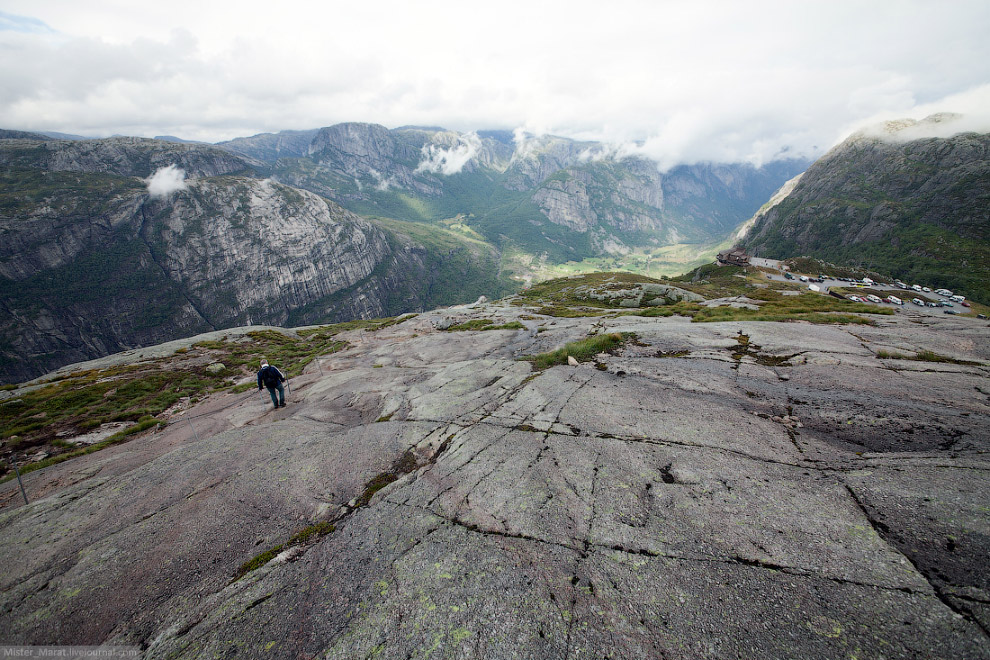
(272, 378)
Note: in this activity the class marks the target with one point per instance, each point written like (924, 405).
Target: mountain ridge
(429, 175)
(915, 207)
(88, 239)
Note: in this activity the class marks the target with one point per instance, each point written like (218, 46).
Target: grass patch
(924, 356)
(379, 324)
(485, 324)
(581, 296)
(561, 311)
(115, 439)
(78, 402)
(810, 307)
(312, 533)
(890, 355)
(406, 464)
(582, 351)
(575, 291)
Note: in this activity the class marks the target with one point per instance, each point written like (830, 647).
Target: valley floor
(712, 490)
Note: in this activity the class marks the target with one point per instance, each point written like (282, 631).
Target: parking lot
(888, 289)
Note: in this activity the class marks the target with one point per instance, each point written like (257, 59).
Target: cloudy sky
(698, 80)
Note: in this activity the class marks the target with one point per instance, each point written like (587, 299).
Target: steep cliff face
(714, 198)
(915, 207)
(631, 201)
(92, 264)
(370, 154)
(247, 251)
(535, 159)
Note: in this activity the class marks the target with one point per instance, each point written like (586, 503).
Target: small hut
(734, 257)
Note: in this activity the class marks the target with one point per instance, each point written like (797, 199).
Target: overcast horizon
(719, 81)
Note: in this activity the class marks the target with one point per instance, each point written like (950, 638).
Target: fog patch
(382, 182)
(606, 151)
(167, 180)
(526, 144)
(451, 160)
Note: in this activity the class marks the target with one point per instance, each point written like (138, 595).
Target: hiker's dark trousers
(280, 401)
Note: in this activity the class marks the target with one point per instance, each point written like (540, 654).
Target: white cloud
(167, 180)
(383, 182)
(525, 143)
(682, 82)
(967, 112)
(450, 160)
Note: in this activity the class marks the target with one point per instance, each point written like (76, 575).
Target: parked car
(949, 311)
(918, 302)
(873, 299)
(964, 304)
(803, 278)
(931, 304)
(788, 276)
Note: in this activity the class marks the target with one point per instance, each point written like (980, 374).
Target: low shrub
(582, 350)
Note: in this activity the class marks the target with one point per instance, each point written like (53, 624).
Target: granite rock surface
(716, 490)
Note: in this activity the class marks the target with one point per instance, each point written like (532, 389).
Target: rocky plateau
(707, 490)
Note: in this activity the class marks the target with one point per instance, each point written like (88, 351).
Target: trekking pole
(19, 482)
(195, 435)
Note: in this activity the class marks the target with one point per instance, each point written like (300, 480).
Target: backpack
(269, 376)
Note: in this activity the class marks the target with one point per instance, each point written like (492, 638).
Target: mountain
(544, 195)
(92, 263)
(724, 490)
(271, 146)
(21, 135)
(172, 138)
(895, 201)
(108, 247)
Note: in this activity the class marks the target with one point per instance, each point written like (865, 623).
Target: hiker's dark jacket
(269, 376)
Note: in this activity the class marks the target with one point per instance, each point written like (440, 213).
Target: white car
(874, 299)
(926, 289)
(894, 300)
(918, 302)
(916, 287)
